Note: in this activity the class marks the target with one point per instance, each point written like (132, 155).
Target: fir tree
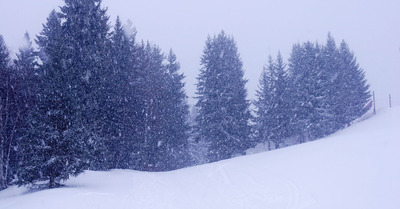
(272, 112)
(120, 127)
(332, 77)
(52, 149)
(176, 112)
(328, 87)
(354, 86)
(9, 116)
(308, 91)
(86, 35)
(223, 109)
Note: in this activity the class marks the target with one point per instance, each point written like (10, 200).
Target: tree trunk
(52, 183)
(2, 177)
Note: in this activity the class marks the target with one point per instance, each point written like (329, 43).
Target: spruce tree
(272, 113)
(328, 87)
(308, 91)
(26, 67)
(9, 116)
(121, 143)
(176, 112)
(52, 150)
(355, 89)
(332, 76)
(223, 108)
(86, 35)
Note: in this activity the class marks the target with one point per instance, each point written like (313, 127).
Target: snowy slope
(355, 168)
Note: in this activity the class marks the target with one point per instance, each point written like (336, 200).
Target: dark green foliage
(309, 89)
(272, 105)
(9, 116)
(322, 91)
(329, 89)
(223, 109)
(53, 147)
(354, 86)
(162, 128)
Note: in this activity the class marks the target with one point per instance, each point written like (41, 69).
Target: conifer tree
(52, 149)
(121, 144)
(9, 116)
(308, 91)
(332, 76)
(86, 35)
(176, 112)
(223, 108)
(272, 105)
(328, 87)
(355, 89)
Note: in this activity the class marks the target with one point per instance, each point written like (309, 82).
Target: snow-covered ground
(355, 168)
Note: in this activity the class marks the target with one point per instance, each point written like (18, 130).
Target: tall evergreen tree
(272, 105)
(9, 116)
(121, 143)
(86, 33)
(160, 111)
(354, 86)
(308, 91)
(26, 66)
(223, 109)
(75, 78)
(176, 113)
(52, 149)
(324, 81)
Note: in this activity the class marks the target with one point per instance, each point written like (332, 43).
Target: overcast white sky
(260, 28)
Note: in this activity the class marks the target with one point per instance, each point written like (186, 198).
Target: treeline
(320, 91)
(93, 97)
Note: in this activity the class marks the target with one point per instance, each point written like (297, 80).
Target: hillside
(358, 167)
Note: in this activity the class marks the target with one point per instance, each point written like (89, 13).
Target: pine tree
(308, 91)
(9, 116)
(355, 89)
(160, 111)
(26, 67)
(86, 35)
(328, 87)
(223, 109)
(272, 112)
(332, 76)
(52, 149)
(176, 112)
(120, 127)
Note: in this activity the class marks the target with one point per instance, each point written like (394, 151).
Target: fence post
(373, 94)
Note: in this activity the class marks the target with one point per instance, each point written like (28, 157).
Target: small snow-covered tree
(223, 119)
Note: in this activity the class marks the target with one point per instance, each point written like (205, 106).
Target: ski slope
(358, 167)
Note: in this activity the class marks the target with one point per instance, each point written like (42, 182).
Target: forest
(92, 97)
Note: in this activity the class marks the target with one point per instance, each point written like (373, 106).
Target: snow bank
(355, 168)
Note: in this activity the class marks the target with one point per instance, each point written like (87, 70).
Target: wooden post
(390, 101)
(373, 94)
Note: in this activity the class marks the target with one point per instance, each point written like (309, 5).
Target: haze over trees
(93, 97)
(321, 91)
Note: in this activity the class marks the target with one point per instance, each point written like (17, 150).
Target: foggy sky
(260, 28)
